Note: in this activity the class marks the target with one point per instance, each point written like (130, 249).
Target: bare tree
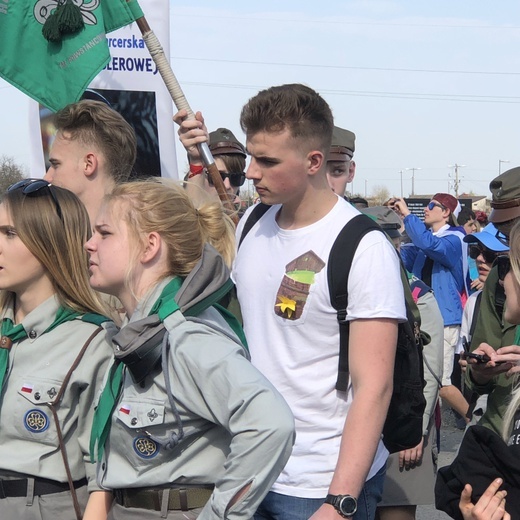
(10, 172)
(380, 194)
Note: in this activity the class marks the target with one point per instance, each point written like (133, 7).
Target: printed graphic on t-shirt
(514, 440)
(296, 285)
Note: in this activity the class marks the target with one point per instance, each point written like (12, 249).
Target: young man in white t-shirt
(292, 330)
(291, 327)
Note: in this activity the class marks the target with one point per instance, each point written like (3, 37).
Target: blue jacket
(448, 281)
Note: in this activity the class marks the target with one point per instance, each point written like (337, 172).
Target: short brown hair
(95, 123)
(294, 107)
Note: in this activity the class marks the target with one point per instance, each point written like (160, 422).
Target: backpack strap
(255, 215)
(338, 270)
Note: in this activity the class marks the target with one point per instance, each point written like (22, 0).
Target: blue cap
(489, 237)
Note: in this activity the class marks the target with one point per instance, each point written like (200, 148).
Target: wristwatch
(345, 505)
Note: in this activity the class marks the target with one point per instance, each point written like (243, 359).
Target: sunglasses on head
(31, 187)
(475, 251)
(235, 179)
(503, 265)
(432, 204)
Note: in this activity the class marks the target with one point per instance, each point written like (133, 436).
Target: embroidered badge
(27, 388)
(124, 408)
(51, 392)
(36, 421)
(152, 415)
(145, 447)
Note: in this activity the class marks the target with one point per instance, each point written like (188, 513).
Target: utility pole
(456, 182)
(413, 179)
(366, 182)
(500, 161)
(401, 172)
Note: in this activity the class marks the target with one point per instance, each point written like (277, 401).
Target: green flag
(57, 72)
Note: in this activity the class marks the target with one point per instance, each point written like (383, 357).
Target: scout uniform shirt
(37, 366)
(237, 428)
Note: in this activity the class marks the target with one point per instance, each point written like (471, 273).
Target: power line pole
(456, 182)
(413, 178)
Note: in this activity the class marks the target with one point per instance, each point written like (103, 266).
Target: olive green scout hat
(506, 196)
(387, 218)
(222, 141)
(343, 145)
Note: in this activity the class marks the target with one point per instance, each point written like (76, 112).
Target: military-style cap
(222, 141)
(343, 145)
(505, 204)
(387, 218)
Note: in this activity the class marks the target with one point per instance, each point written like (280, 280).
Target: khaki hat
(505, 204)
(223, 142)
(343, 145)
(387, 218)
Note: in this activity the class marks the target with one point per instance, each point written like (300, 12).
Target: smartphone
(481, 358)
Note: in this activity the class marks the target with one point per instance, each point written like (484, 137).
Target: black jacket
(483, 457)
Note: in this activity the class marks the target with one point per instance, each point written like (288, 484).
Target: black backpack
(403, 425)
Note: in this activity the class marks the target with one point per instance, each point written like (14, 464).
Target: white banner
(130, 84)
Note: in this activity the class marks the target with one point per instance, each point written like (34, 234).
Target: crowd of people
(156, 362)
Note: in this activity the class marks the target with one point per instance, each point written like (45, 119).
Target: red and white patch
(27, 388)
(125, 409)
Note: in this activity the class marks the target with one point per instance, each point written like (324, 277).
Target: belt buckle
(2, 491)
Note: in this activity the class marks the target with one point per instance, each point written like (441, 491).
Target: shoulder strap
(255, 215)
(61, 439)
(338, 270)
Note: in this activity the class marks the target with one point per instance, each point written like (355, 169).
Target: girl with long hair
(55, 349)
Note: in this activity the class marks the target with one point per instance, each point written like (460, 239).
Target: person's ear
(152, 247)
(351, 171)
(90, 162)
(315, 159)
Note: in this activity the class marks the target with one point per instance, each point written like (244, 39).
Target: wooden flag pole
(158, 56)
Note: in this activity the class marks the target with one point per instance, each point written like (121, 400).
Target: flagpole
(164, 68)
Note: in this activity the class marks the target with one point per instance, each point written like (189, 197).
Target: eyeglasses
(432, 204)
(489, 256)
(503, 265)
(31, 187)
(235, 179)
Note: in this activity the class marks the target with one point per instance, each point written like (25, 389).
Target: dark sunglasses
(235, 179)
(475, 251)
(31, 187)
(432, 204)
(503, 265)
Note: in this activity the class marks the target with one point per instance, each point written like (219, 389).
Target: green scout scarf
(11, 333)
(163, 307)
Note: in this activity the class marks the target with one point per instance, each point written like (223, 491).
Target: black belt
(42, 486)
(151, 499)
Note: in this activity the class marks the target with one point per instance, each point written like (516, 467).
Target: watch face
(348, 505)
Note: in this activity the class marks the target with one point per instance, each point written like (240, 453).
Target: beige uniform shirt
(37, 367)
(238, 429)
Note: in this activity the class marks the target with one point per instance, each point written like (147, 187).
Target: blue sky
(422, 84)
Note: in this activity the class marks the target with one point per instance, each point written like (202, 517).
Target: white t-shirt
(293, 333)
